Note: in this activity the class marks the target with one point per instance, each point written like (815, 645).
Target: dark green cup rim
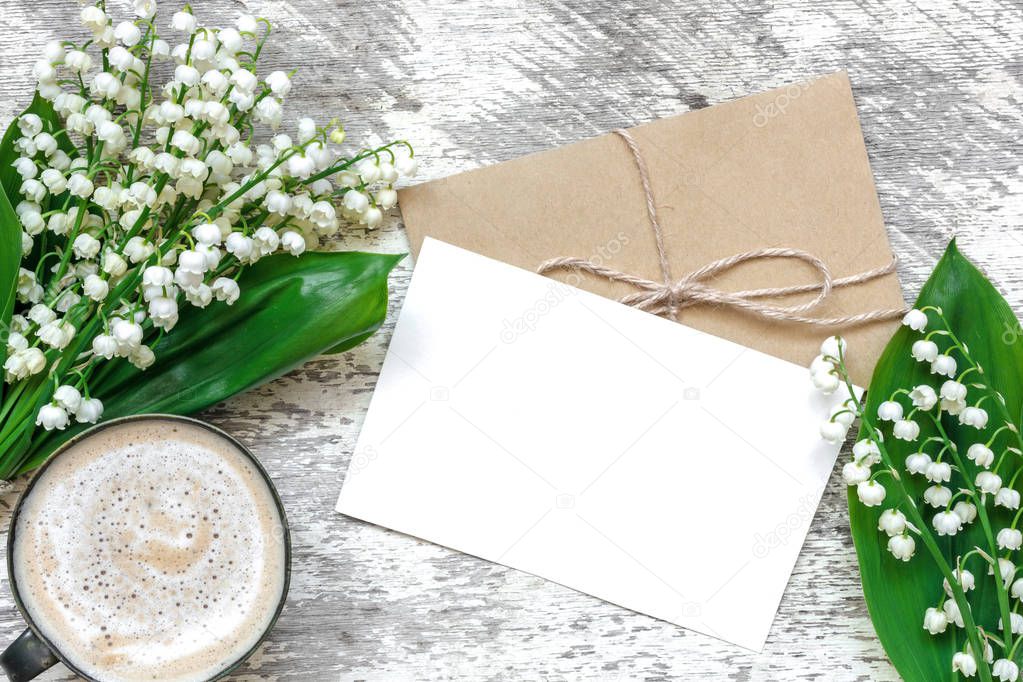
(126, 420)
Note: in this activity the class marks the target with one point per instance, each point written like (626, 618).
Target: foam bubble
(152, 550)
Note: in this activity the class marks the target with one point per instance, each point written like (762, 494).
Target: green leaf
(9, 177)
(291, 310)
(10, 262)
(898, 593)
(10, 227)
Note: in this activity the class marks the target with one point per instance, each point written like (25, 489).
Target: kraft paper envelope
(647, 463)
(785, 168)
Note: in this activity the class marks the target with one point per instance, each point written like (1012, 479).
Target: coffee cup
(148, 547)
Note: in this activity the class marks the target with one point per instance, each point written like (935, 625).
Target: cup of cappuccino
(147, 548)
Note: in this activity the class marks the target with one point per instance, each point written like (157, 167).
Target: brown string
(669, 296)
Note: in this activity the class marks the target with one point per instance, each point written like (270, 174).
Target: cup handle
(26, 657)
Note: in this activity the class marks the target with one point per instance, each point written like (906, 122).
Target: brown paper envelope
(785, 168)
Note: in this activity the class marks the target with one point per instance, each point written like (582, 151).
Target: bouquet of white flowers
(934, 480)
(139, 226)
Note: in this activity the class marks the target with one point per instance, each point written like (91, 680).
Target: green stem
(916, 518)
(985, 522)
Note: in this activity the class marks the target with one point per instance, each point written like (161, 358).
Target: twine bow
(671, 295)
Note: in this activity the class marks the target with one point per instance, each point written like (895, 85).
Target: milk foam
(152, 550)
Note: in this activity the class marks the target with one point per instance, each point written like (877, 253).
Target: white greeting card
(630, 457)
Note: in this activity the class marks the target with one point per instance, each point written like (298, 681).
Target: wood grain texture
(939, 87)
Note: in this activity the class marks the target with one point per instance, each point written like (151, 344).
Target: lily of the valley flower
(855, 472)
(938, 472)
(916, 320)
(52, 417)
(918, 462)
(967, 511)
(1006, 569)
(938, 496)
(952, 611)
(947, 523)
(924, 397)
(1008, 498)
(171, 179)
(833, 432)
(89, 411)
(866, 451)
(1015, 622)
(981, 455)
(989, 482)
(906, 429)
(902, 546)
(892, 521)
(1010, 538)
(67, 397)
(935, 621)
(871, 493)
(889, 411)
(944, 365)
(964, 664)
(974, 416)
(1005, 670)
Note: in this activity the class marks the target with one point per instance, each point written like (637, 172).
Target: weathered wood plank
(939, 86)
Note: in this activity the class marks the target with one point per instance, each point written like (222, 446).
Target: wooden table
(939, 88)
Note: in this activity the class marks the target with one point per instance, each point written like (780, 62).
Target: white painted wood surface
(939, 87)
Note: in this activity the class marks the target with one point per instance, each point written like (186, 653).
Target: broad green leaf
(291, 310)
(898, 593)
(10, 227)
(10, 262)
(9, 177)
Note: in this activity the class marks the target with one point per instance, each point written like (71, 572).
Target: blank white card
(632, 458)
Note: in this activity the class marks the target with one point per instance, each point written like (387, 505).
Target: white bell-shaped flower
(52, 417)
(854, 473)
(989, 482)
(947, 523)
(128, 335)
(889, 411)
(967, 511)
(293, 243)
(964, 664)
(974, 416)
(906, 429)
(105, 346)
(1009, 538)
(95, 287)
(938, 472)
(915, 320)
(944, 365)
(871, 493)
(892, 521)
(902, 546)
(163, 311)
(1008, 498)
(89, 411)
(965, 578)
(935, 621)
(67, 397)
(923, 397)
(938, 496)
(981, 455)
(1005, 670)
(279, 83)
(226, 289)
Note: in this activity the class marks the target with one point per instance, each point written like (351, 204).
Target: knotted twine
(669, 296)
